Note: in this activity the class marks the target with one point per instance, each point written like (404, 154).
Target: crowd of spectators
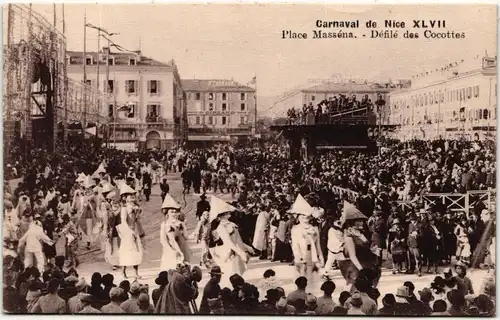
(327, 108)
(403, 171)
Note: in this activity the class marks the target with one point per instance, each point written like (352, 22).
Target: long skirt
(112, 251)
(169, 259)
(283, 251)
(130, 251)
(232, 264)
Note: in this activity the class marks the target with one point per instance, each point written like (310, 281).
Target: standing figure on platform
(229, 252)
(173, 236)
(307, 252)
(357, 246)
(131, 247)
(112, 220)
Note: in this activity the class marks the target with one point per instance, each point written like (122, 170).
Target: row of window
(213, 120)
(89, 61)
(224, 107)
(471, 115)
(153, 110)
(131, 86)
(224, 96)
(430, 98)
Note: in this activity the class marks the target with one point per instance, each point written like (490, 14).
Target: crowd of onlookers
(59, 292)
(323, 111)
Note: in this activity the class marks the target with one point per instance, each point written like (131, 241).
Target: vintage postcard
(249, 159)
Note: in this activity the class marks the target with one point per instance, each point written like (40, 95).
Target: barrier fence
(454, 202)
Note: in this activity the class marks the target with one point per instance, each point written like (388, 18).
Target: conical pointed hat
(300, 206)
(81, 177)
(99, 170)
(107, 187)
(219, 206)
(169, 202)
(125, 188)
(350, 212)
(89, 182)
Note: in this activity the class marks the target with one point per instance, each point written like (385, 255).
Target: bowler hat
(216, 271)
(162, 278)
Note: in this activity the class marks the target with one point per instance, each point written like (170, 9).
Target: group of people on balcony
(324, 111)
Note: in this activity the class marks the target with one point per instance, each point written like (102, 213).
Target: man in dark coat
(165, 188)
(212, 289)
(202, 206)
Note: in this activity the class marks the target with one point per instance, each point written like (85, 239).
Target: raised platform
(306, 140)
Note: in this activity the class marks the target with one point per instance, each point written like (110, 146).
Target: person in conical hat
(306, 247)
(103, 207)
(229, 252)
(112, 219)
(130, 231)
(173, 236)
(357, 246)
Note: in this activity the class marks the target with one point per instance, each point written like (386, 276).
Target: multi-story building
(147, 104)
(219, 111)
(457, 100)
(324, 89)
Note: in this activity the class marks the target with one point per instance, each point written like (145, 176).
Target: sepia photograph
(249, 159)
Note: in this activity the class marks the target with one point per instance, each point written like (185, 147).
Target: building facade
(147, 104)
(455, 101)
(329, 88)
(219, 111)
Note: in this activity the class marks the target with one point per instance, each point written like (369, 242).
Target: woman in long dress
(306, 246)
(358, 251)
(131, 247)
(173, 236)
(111, 221)
(229, 253)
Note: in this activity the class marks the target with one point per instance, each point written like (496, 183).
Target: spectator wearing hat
(144, 305)
(457, 300)
(211, 290)
(34, 293)
(402, 307)
(388, 302)
(87, 301)
(426, 298)
(271, 298)
(355, 304)
(51, 302)
(107, 282)
(485, 306)
(162, 281)
(131, 305)
(283, 308)
(362, 285)
(464, 284)
(68, 290)
(325, 302)
(125, 286)
(74, 303)
(415, 304)
(439, 308)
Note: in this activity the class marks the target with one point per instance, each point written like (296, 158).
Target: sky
(222, 41)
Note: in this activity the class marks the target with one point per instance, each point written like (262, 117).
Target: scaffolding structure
(36, 86)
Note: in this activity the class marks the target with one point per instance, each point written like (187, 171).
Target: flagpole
(255, 110)
(85, 71)
(98, 55)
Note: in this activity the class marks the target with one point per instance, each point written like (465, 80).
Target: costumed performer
(112, 220)
(357, 246)
(306, 245)
(131, 247)
(173, 236)
(229, 252)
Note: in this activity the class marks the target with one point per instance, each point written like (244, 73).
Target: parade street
(149, 269)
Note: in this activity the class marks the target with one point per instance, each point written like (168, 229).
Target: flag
(254, 80)
(101, 29)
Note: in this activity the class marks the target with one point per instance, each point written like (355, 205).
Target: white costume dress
(131, 250)
(230, 255)
(173, 230)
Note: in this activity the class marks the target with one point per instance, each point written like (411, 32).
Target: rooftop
(346, 87)
(214, 85)
(121, 58)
